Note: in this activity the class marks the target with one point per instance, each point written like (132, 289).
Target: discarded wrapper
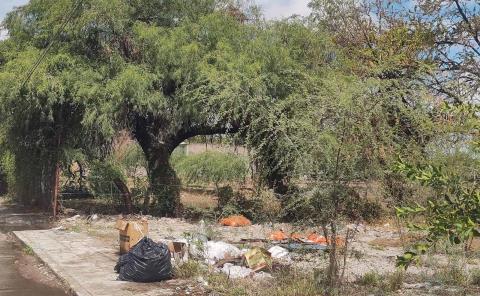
(258, 258)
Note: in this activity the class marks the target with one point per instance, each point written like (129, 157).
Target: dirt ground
(373, 249)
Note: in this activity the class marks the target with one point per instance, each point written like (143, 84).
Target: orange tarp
(235, 221)
(278, 235)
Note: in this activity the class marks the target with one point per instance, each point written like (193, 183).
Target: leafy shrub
(187, 270)
(316, 205)
(236, 203)
(475, 277)
(370, 279)
(210, 167)
(452, 274)
(394, 281)
(102, 174)
(7, 173)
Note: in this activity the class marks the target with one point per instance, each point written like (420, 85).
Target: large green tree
(164, 70)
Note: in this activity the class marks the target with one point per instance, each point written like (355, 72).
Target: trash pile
(148, 261)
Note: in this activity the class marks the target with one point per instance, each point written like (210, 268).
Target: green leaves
(453, 215)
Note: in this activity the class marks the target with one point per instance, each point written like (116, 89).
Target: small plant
(28, 250)
(370, 279)
(394, 281)
(187, 270)
(357, 254)
(452, 274)
(475, 277)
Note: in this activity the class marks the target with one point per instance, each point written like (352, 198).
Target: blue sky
(271, 8)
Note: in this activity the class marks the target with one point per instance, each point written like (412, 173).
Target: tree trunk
(164, 183)
(127, 197)
(3, 183)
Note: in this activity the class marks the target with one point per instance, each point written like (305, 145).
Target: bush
(370, 279)
(316, 205)
(453, 274)
(475, 277)
(210, 167)
(187, 270)
(236, 203)
(102, 174)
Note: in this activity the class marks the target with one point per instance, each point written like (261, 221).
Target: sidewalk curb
(71, 289)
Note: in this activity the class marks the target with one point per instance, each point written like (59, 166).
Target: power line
(45, 51)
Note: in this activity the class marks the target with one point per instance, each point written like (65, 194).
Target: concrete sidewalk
(86, 265)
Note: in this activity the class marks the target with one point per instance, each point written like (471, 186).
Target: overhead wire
(55, 37)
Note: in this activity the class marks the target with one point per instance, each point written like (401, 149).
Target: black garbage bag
(146, 262)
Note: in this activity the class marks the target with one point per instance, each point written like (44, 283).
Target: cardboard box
(178, 250)
(130, 233)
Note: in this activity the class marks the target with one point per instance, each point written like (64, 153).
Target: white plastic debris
(278, 252)
(236, 272)
(73, 218)
(215, 251)
(240, 272)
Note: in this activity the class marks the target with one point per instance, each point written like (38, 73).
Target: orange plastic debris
(278, 235)
(297, 236)
(235, 221)
(318, 239)
(321, 240)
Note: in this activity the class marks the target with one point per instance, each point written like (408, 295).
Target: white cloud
(3, 34)
(274, 9)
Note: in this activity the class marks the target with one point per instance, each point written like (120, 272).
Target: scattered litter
(304, 247)
(93, 217)
(278, 252)
(240, 272)
(318, 239)
(216, 251)
(59, 228)
(146, 262)
(258, 258)
(236, 272)
(196, 244)
(235, 221)
(278, 235)
(178, 250)
(73, 218)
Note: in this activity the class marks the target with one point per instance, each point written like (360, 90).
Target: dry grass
(198, 199)
(407, 239)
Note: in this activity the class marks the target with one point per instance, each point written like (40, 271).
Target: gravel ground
(374, 247)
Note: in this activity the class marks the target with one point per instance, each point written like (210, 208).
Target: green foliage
(454, 213)
(475, 277)
(188, 270)
(236, 203)
(385, 283)
(454, 273)
(211, 167)
(102, 174)
(318, 206)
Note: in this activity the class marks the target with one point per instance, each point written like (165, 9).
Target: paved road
(11, 282)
